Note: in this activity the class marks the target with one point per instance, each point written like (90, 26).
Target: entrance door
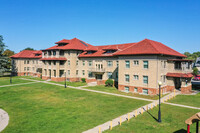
(98, 76)
(177, 83)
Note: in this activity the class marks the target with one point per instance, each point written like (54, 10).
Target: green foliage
(195, 71)
(28, 48)
(83, 80)
(192, 56)
(109, 82)
(4, 60)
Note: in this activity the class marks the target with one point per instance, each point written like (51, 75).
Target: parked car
(197, 77)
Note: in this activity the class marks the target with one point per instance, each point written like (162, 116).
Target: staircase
(92, 84)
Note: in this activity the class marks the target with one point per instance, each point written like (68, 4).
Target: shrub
(83, 80)
(195, 71)
(109, 82)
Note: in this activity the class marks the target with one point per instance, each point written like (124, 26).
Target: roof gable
(147, 46)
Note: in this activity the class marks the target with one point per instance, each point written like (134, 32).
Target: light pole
(11, 77)
(159, 111)
(65, 81)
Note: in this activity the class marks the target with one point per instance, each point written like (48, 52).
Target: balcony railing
(97, 69)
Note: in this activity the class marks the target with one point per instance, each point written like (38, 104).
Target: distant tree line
(192, 56)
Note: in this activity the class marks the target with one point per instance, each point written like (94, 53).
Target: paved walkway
(16, 84)
(180, 105)
(4, 119)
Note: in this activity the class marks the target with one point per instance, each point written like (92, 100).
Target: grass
(173, 121)
(15, 80)
(74, 84)
(114, 90)
(190, 100)
(47, 108)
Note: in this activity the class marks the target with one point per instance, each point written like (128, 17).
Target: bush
(195, 71)
(109, 82)
(83, 80)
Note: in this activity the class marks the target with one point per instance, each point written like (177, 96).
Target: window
(127, 64)
(54, 53)
(177, 65)
(83, 63)
(117, 62)
(146, 64)
(54, 62)
(49, 62)
(83, 72)
(44, 62)
(33, 62)
(77, 62)
(61, 73)
(135, 62)
(62, 53)
(27, 61)
(126, 77)
(136, 77)
(163, 77)
(145, 79)
(126, 89)
(77, 53)
(37, 62)
(24, 61)
(49, 53)
(109, 74)
(116, 75)
(33, 68)
(24, 68)
(76, 72)
(135, 89)
(90, 74)
(68, 52)
(68, 62)
(54, 73)
(68, 72)
(109, 63)
(27, 68)
(145, 91)
(90, 63)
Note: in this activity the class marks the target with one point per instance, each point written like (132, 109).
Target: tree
(4, 60)
(28, 48)
(8, 53)
(192, 56)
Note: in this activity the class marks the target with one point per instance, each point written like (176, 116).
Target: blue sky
(40, 23)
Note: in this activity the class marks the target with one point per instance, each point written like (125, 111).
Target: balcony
(97, 70)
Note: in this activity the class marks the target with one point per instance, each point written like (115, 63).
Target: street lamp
(159, 111)
(65, 81)
(11, 78)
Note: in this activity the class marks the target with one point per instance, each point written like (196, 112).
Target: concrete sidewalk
(16, 84)
(4, 119)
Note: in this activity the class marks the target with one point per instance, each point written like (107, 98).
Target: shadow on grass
(152, 116)
(181, 131)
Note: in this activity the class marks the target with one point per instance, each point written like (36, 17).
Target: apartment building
(27, 63)
(134, 67)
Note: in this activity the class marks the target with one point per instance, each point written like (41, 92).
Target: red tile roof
(180, 75)
(102, 50)
(28, 54)
(61, 58)
(73, 44)
(147, 46)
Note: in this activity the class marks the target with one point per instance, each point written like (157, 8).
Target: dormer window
(62, 44)
(109, 51)
(37, 54)
(90, 52)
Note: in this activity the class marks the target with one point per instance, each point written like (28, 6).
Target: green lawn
(75, 84)
(173, 121)
(40, 107)
(190, 100)
(15, 80)
(114, 90)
